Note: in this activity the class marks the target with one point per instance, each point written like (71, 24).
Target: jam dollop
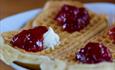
(93, 53)
(72, 18)
(30, 40)
(112, 34)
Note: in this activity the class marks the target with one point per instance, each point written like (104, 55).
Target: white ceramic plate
(16, 21)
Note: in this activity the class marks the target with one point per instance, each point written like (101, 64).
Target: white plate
(16, 21)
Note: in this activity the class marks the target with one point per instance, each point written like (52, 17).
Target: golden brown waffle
(46, 18)
(70, 42)
(97, 23)
(104, 38)
(69, 55)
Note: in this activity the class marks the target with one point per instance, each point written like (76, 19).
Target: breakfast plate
(17, 21)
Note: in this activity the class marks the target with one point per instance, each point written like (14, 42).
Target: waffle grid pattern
(103, 37)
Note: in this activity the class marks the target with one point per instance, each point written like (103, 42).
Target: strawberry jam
(94, 53)
(30, 40)
(72, 18)
(112, 34)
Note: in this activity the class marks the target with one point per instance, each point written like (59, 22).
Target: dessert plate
(17, 21)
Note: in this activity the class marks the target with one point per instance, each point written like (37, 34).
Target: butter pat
(51, 39)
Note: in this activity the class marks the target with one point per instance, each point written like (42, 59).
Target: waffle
(104, 38)
(46, 18)
(67, 48)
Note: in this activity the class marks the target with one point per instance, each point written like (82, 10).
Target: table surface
(10, 7)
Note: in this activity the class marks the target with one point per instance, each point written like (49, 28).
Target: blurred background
(10, 7)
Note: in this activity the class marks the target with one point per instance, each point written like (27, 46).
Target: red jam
(30, 40)
(72, 18)
(94, 53)
(112, 33)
